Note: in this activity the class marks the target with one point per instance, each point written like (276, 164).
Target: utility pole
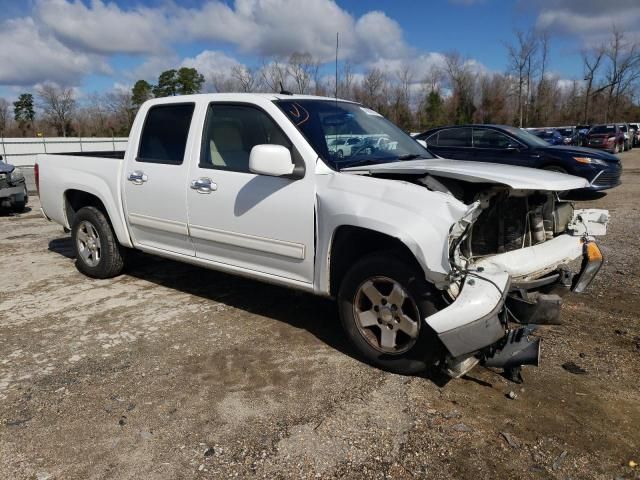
(337, 46)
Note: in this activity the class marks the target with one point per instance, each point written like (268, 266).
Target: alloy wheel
(386, 315)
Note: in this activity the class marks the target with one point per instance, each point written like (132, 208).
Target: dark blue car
(514, 146)
(549, 135)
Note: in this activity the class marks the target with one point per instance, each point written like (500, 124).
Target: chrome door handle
(137, 177)
(204, 185)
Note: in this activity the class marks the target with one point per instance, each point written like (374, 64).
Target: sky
(101, 45)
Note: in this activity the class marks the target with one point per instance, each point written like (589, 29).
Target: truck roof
(240, 97)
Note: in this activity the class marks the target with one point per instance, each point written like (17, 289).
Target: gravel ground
(172, 371)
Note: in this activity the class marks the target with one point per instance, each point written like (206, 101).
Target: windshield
(347, 134)
(526, 137)
(567, 132)
(603, 129)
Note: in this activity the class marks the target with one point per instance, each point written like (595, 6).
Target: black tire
(21, 206)
(425, 349)
(340, 154)
(111, 257)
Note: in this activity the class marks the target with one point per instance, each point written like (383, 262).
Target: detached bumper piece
(591, 262)
(514, 351)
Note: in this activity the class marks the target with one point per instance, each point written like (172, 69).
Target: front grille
(608, 177)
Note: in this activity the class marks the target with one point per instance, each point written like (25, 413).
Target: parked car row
(515, 146)
(613, 137)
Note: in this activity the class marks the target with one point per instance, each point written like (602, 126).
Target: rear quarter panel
(95, 175)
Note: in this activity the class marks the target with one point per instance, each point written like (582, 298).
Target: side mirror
(422, 142)
(272, 160)
(512, 147)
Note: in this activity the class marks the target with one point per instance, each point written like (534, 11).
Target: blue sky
(99, 45)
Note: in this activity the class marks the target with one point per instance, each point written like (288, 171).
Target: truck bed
(96, 173)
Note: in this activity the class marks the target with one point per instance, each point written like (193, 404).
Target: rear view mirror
(272, 160)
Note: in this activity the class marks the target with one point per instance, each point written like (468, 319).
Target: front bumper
(11, 195)
(474, 321)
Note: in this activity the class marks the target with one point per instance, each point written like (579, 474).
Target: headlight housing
(16, 176)
(590, 160)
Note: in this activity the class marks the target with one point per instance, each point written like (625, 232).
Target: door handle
(204, 185)
(137, 177)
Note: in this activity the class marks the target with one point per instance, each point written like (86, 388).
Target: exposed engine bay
(514, 220)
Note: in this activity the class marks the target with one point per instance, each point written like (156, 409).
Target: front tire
(98, 253)
(383, 301)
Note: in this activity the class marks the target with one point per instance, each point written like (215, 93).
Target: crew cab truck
(423, 255)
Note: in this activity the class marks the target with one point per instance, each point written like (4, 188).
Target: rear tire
(389, 330)
(98, 252)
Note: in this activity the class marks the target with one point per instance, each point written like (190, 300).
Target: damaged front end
(526, 250)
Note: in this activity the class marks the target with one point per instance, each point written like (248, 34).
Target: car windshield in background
(567, 132)
(347, 134)
(603, 129)
(528, 138)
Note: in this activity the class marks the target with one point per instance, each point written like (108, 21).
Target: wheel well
(350, 244)
(77, 199)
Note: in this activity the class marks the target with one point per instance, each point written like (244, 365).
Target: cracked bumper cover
(472, 321)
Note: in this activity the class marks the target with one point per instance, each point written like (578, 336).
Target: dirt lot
(172, 371)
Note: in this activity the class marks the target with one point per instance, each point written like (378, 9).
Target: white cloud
(210, 62)
(29, 55)
(152, 67)
(590, 21)
(105, 28)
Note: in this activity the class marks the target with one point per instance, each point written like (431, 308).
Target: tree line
(451, 90)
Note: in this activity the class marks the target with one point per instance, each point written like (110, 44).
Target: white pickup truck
(432, 261)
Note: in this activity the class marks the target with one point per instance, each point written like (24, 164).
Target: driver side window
(231, 131)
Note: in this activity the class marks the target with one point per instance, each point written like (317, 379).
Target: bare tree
(274, 75)
(245, 77)
(462, 82)
(122, 112)
(5, 115)
(223, 83)
(58, 104)
(302, 68)
(592, 60)
(623, 70)
(521, 66)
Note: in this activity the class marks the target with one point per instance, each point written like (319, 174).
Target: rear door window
(165, 132)
(454, 137)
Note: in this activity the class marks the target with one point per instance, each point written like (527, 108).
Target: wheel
(21, 206)
(98, 253)
(340, 154)
(616, 148)
(626, 146)
(383, 301)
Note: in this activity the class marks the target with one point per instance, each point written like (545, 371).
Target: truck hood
(6, 168)
(518, 178)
